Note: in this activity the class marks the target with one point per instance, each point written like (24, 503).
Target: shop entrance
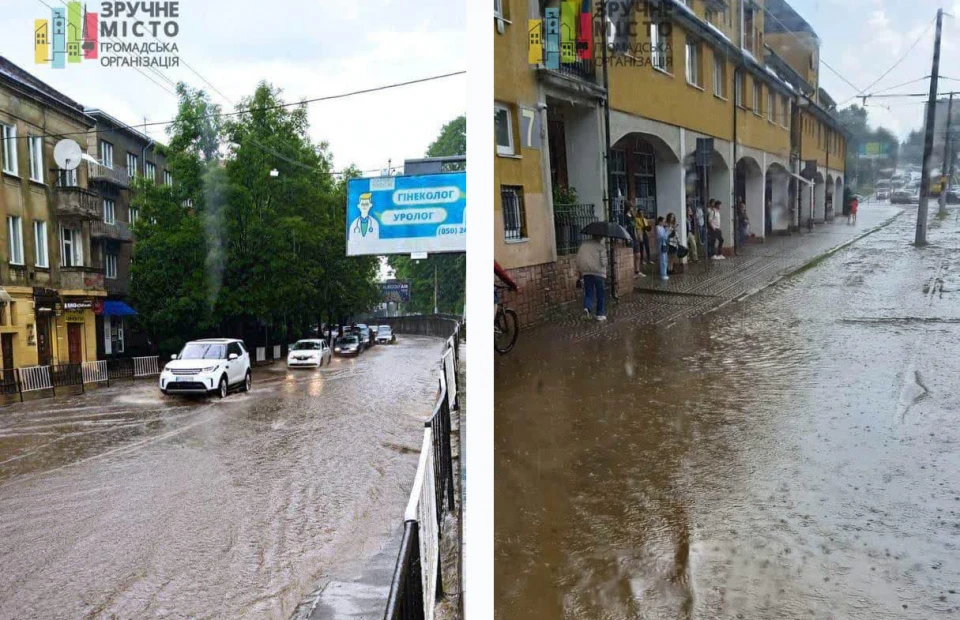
(44, 344)
(75, 342)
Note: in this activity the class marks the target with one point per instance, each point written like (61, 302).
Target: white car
(385, 335)
(211, 366)
(309, 354)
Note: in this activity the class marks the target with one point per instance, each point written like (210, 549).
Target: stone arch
(749, 187)
(819, 198)
(719, 185)
(780, 192)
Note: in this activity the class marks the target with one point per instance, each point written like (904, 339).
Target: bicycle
(506, 325)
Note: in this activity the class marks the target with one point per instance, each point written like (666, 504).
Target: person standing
(715, 234)
(630, 223)
(673, 242)
(662, 240)
(691, 235)
(592, 264)
(743, 224)
(854, 205)
(643, 227)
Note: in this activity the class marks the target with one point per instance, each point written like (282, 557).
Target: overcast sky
(862, 39)
(309, 49)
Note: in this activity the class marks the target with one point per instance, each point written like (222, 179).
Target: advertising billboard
(406, 214)
(394, 291)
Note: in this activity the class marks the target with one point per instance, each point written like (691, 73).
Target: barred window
(514, 214)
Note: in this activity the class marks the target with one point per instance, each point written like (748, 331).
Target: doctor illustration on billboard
(366, 226)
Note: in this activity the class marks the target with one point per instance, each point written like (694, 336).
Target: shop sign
(73, 316)
(82, 304)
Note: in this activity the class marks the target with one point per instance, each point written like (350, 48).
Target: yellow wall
(811, 149)
(797, 53)
(21, 322)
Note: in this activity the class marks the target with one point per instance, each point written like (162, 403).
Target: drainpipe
(832, 208)
(798, 125)
(143, 153)
(606, 121)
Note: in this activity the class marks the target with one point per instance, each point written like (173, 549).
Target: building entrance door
(6, 347)
(44, 344)
(75, 342)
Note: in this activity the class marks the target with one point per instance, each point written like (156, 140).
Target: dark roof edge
(30, 86)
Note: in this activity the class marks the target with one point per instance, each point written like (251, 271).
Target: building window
(503, 124)
(8, 135)
(749, 31)
(113, 334)
(167, 178)
(618, 176)
(15, 235)
(514, 215)
(67, 178)
(785, 119)
(756, 98)
(35, 148)
(719, 75)
(106, 154)
(110, 263)
(150, 171)
(738, 89)
(134, 215)
(40, 241)
(71, 250)
(645, 178)
(693, 63)
(771, 106)
(132, 165)
(109, 211)
(659, 47)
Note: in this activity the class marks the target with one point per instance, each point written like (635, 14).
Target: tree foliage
(233, 251)
(865, 172)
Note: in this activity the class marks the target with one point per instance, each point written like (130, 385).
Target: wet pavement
(122, 503)
(793, 455)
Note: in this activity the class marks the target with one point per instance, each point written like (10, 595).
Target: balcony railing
(78, 202)
(81, 278)
(119, 231)
(568, 221)
(117, 175)
(580, 69)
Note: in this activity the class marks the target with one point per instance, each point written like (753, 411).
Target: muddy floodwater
(124, 504)
(794, 455)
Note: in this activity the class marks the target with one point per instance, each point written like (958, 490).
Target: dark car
(349, 345)
(366, 336)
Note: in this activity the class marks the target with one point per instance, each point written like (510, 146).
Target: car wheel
(247, 382)
(222, 388)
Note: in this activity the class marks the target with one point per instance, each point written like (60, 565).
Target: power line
(896, 64)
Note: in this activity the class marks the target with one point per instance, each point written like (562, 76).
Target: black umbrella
(606, 229)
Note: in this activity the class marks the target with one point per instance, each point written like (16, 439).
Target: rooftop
(30, 85)
(781, 17)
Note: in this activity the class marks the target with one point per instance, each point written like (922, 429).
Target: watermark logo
(121, 34)
(571, 35)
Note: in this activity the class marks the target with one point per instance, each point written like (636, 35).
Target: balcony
(118, 231)
(117, 175)
(77, 202)
(81, 278)
(578, 77)
(117, 286)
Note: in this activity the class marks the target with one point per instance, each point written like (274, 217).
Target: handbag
(682, 252)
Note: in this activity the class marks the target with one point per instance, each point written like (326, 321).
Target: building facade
(702, 74)
(50, 285)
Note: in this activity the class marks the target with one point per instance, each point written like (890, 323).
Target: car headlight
(208, 369)
(336, 349)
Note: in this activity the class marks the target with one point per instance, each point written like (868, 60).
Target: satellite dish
(67, 154)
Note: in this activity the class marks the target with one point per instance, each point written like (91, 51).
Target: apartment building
(682, 79)
(49, 285)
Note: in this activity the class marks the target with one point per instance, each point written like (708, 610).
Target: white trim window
(150, 171)
(771, 105)
(40, 241)
(8, 135)
(719, 75)
(785, 119)
(67, 178)
(738, 89)
(109, 211)
(503, 128)
(134, 215)
(35, 148)
(71, 248)
(756, 98)
(132, 161)
(15, 237)
(659, 48)
(167, 178)
(106, 154)
(110, 264)
(693, 63)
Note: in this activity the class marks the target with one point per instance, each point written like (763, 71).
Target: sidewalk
(708, 285)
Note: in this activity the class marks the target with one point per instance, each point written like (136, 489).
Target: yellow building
(48, 292)
(694, 72)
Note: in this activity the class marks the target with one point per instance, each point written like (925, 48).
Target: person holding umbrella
(592, 263)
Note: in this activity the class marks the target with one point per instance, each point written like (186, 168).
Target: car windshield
(384, 328)
(204, 351)
(348, 340)
(306, 346)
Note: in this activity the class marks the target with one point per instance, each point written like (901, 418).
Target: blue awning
(117, 308)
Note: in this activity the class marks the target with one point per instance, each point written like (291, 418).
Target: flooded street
(794, 455)
(122, 503)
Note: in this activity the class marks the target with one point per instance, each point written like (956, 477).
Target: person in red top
(852, 218)
(501, 273)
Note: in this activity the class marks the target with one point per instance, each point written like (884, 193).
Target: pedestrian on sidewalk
(691, 235)
(854, 205)
(743, 224)
(715, 234)
(630, 223)
(592, 264)
(662, 240)
(643, 227)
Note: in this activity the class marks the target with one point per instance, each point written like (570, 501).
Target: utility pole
(921, 237)
(947, 156)
(435, 311)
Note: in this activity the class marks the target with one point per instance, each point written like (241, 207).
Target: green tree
(451, 141)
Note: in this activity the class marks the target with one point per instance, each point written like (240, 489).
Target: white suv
(214, 365)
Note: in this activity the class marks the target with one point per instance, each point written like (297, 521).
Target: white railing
(35, 378)
(95, 372)
(450, 374)
(146, 366)
(276, 351)
(261, 354)
(422, 508)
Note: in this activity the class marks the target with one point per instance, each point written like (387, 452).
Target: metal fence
(417, 582)
(146, 366)
(20, 381)
(568, 221)
(95, 372)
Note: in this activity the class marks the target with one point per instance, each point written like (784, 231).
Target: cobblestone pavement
(708, 285)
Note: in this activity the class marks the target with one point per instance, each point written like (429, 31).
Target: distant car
(348, 346)
(309, 353)
(901, 197)
(210, 366)
(365, 337)
(385, 335)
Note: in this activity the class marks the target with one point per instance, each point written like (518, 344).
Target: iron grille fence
(65, 375)
(568, 221)
(514, 213)
(120, 369)
(49, 378)
(406, 589)
(8, 381)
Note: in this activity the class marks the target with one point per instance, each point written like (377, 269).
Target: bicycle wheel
(506, 330)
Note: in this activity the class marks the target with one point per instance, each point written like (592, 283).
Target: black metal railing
(580, 69)
(568, 221)
(66, 375)
(9, 381)
(406, 590)
(120, 369)
(443, 461)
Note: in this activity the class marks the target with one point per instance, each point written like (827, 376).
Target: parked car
(348, 345)
(209, 366)
(901, 197)
(309, 353)
(385, 335)
(365, 339)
